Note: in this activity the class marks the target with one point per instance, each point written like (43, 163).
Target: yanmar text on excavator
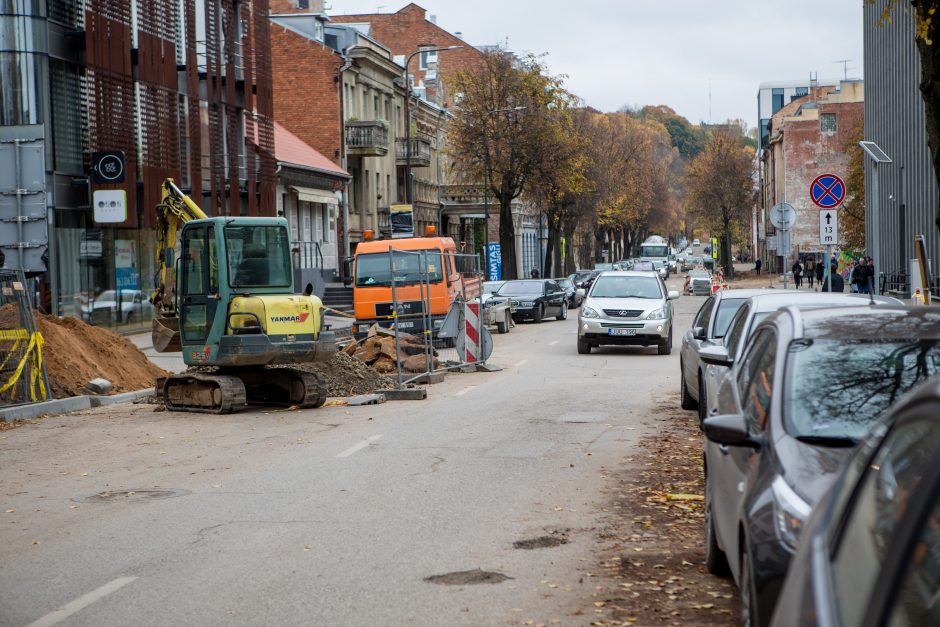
(224, 296)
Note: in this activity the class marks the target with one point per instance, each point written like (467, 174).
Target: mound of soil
(74, 353)
(348, 376)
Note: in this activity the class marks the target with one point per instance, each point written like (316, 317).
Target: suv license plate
(621, 331)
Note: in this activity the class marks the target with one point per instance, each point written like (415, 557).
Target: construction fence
(22, 373)
(435, 320)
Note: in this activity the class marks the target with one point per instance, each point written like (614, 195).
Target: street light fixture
(877, 156)
(409, 191)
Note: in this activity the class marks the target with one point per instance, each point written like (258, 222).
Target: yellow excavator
(224, 296)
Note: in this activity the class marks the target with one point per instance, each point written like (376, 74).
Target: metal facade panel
(24, 230)
(894, 119)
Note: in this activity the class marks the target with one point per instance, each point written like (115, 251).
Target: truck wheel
(503, 325)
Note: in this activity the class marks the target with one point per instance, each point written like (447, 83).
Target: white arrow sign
(829, 227)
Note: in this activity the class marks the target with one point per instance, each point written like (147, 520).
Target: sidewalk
(172, 362)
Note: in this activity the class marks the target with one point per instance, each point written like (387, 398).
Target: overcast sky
(640, 52)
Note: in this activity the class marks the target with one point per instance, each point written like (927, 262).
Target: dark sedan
(574, 293)
(808, 388)
(870, 553)
(535, 299)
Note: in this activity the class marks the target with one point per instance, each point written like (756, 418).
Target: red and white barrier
(472, 332)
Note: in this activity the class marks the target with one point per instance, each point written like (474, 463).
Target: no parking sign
(827, 191)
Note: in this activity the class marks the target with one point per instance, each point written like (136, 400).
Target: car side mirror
(493, 292)
(699, 333)
(673, 295)
(730, 430)
(716, 356)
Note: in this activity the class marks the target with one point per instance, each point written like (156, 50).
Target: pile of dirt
(378, 350)
(74, 353)
(347, 376)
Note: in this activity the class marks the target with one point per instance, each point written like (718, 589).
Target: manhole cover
(467, 577)
(114, 496)
(542, 542)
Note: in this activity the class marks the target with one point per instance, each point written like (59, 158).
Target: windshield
(626, 287)
(603, 266)
(699, 274)
(374, 269)
(837, 388)
(519, 288)
(654, 250)
(258, 256)
(491, 286)
(726, 310)
(565, 283)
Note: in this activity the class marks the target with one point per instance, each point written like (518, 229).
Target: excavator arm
(175, 209)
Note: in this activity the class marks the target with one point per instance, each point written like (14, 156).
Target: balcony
(420, 150)
(366, 139)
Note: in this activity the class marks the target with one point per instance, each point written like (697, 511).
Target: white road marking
(552, 343)
(521, 363)
(81, 602)
(355, 448)
(465, 390)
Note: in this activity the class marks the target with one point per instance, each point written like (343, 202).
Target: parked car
(580, 277)
(627, 308)
(604, 267)
(644, 266)
(574, 293)
(696, 243)
(673, 263)
(104, 307)
(808, 388)
(749, 315)
(661, 268)
(708, 327)
(870, 553)
(698, 283)
(535, 299)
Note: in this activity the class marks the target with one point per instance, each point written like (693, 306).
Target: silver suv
(627, 308)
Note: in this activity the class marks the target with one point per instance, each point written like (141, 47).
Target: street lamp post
(409, 190)
(877, 156)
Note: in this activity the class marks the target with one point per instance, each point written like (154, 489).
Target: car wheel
(749, 617)
(686, 399)
(563, 315)
(665, 346)
(503, 325)
(702, 401)
(539, 312)
(715, 560)
(583, 347)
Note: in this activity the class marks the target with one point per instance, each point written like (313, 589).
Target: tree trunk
(549, 253)
(557, 261)
(599, 244)
(507, 239)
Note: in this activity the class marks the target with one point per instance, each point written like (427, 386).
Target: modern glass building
(162, 88)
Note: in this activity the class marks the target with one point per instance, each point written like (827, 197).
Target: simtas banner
(403, 222)
(494, 262)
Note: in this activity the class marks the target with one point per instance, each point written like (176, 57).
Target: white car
(627, 308)
(104, 307)
(696, 243)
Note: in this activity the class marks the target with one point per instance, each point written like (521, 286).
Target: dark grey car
(809, 386)
(870, 553)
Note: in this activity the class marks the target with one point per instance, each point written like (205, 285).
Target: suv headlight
(588, 312)
(657, 314)
(790, 512)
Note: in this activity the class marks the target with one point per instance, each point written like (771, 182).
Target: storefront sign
(494, 262)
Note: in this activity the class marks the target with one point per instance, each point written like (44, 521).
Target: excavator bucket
(166, 334)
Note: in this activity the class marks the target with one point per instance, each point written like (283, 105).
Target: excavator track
(282, 387)
(204, 392)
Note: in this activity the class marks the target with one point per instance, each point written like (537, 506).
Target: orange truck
(427, 276)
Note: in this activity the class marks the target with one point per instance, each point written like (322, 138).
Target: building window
(427, 58)
(776, 99)
(827, 122)
(800, 92)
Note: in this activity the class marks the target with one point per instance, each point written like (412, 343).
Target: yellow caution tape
(16, 334)
(37, 388)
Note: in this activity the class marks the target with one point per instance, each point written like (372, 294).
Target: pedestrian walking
(838, 283)
(757, 264)
(860, 278)
(821, 271)
(797, 273)
(810, 270)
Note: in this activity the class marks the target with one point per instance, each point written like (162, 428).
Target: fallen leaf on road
(336, 403)
(36, 542)
(307, 547)
(73, 506)
(84, 474)
(10, 511)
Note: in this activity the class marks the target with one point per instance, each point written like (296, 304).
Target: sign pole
(829, 267)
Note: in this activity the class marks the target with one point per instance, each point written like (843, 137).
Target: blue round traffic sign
(827, 191)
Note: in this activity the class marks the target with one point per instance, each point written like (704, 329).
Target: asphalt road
(333, 516)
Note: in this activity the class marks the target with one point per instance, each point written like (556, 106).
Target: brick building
(177, 86)
(807, 138)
